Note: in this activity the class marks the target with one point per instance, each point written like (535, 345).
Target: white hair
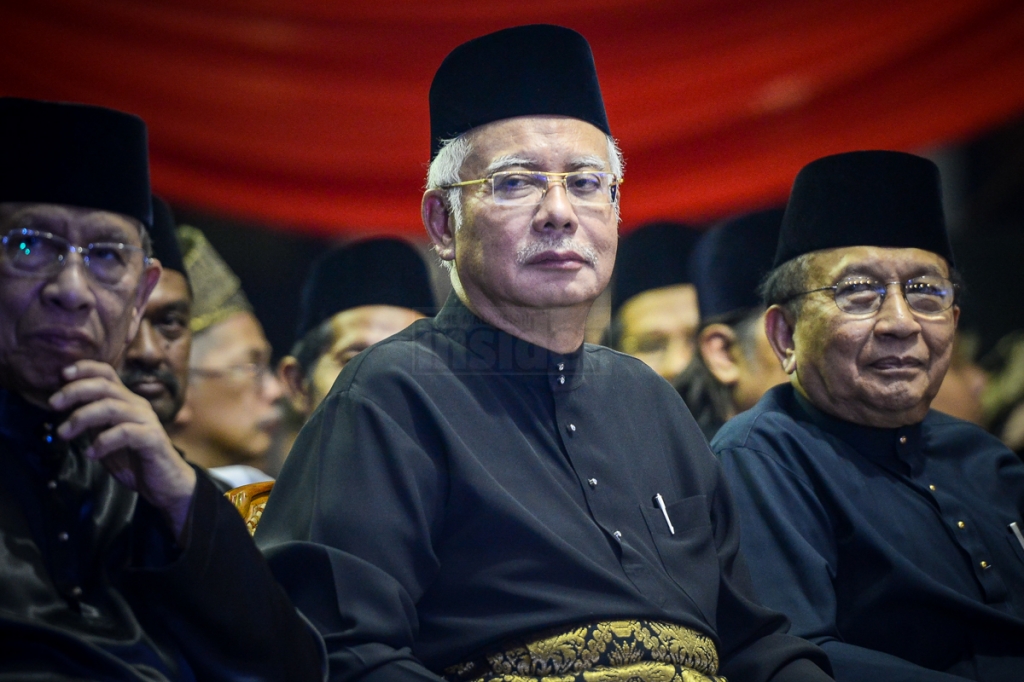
(446, 167)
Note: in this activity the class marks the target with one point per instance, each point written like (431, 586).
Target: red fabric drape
(313, 115)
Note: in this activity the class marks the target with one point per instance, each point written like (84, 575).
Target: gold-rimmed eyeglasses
(528, 188)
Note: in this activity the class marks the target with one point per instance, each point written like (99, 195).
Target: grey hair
(446, 167)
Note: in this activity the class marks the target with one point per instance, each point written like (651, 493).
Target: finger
(88, 390)
(102, 414)
(139, 439)
(84, 369)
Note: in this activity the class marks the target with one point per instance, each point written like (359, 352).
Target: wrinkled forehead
(878, 262)
(538, 142)
(74, 223)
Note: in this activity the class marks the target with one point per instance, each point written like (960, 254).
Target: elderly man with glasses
(118, 560)
(888, 532)
(483, 496)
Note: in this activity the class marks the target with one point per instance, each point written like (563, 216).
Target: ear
(289, 373)
(437, 221)
(717, 344)
(147, 282)
(779, 329)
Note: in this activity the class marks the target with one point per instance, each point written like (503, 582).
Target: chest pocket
(688, 555)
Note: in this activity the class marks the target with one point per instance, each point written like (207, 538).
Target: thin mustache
(564, 243)
(132, 375)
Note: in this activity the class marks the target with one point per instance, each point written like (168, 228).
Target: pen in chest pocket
(659, 502)
(1016, 531)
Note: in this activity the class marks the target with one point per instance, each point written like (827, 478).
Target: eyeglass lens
(518, 188)
(927, 295)
(43, 253)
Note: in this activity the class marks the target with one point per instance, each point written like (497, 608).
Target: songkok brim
(868, 198)
(730, 261)
(163, 234)
(522, 71)
(74, 154)
(216, 290)
(653, 256)
(379, 271)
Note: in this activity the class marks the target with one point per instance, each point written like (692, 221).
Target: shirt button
(561, 379)
(51, 485)
(572, 428)
(985, 564)
(76, 591)
(592, 482)
(961, 524)
(932, 488)
(903, 440)
(63, 536)
(618, 535)
(561, 367)
(49, 438)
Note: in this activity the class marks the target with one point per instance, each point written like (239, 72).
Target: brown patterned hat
(217, 291)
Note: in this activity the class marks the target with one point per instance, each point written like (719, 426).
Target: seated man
(231, 412)
(156, 362)
(120, 561)
(888, 532)
(482, 496)
(655, 313)
(733, 365)
(355, 296)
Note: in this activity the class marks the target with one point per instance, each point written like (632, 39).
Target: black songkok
(652, 256)
(164, 235)
(74, 154)
(379, 271)
(523, 71)
(873, 198)
(730, 261)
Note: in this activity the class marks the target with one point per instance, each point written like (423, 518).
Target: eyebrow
(867, 270)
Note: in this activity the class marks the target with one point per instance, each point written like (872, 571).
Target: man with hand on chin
(120, 561)
(889, 533)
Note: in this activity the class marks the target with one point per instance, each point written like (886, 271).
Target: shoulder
(947, 435)
(762, 425)
(605, 362)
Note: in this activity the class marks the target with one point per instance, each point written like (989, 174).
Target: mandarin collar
(886, 447)
(491, 350)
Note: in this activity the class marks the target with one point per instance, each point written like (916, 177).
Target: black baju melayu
(460, 486)
(93, 585)
(890, 548)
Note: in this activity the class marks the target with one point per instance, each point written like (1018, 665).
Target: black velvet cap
(74, 154)
(522, 71)
(164, 235)
(652, 256)
(871, 198)
(380, 271)
(730, 261)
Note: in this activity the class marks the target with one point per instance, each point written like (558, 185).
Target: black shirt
(460, 486)
(891, 548)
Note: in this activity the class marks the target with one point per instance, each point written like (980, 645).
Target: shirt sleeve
(788, 537)
(755, 641)
(217, 597)
(349, 529)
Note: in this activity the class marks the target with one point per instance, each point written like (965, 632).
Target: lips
(64, 340)
(149, 388)
(556, 258)
(894, 363)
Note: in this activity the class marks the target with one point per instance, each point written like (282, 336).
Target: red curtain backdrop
(312, 115)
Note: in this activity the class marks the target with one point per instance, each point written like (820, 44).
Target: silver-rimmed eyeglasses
(528, 188)
(43, 254)
(926, 295)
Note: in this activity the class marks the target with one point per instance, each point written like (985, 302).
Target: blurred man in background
(156, 362)
(733, 365)
(655, 314)
(230, 415)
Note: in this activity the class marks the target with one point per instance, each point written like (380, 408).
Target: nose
(895, 318)
(272, 388)
(147, 348)
(555, 211)
(69, 289)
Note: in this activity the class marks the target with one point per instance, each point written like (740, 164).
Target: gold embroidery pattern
(617, 651)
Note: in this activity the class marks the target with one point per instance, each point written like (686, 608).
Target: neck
(560, 330)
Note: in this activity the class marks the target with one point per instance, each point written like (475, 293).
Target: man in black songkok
(120, 561)
(890, 533)
(483, 496)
